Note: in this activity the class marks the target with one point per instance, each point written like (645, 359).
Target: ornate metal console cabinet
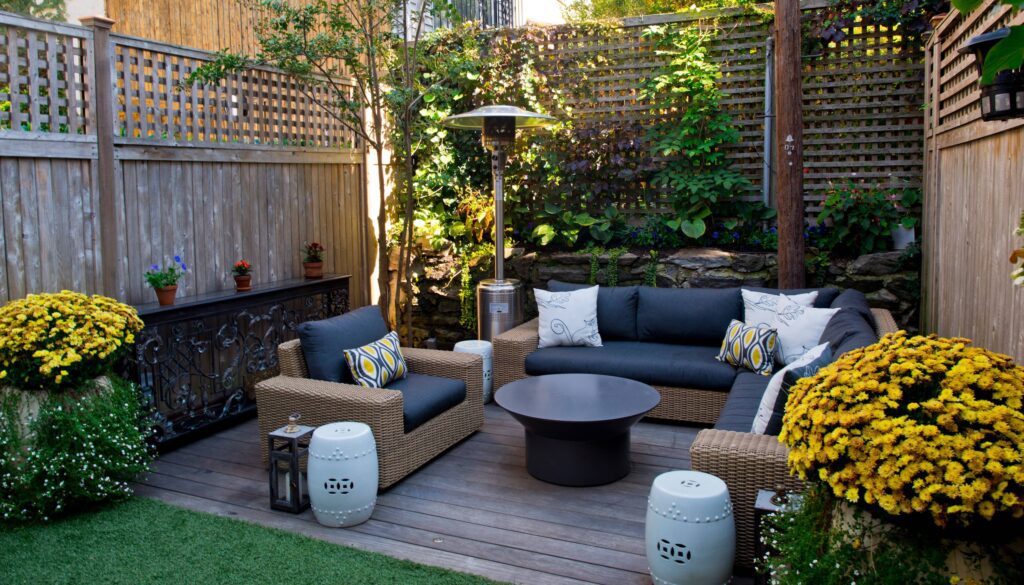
(198, 361)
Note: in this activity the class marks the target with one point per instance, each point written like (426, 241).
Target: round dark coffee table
(577, 425)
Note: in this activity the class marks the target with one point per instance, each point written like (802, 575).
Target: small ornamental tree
(361, 52)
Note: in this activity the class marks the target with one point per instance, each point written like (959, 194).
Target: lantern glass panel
(985, 107)
(1020, 100)
(1002, 102)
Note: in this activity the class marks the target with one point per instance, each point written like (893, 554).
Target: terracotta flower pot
(314, 269)
(165, 295)
(243, 283)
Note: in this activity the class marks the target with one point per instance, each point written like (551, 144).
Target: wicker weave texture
(746, 463)
(398, 453)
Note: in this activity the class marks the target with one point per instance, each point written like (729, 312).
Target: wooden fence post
(111, 254)
(789, 151)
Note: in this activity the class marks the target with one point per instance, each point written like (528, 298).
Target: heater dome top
(474, 119)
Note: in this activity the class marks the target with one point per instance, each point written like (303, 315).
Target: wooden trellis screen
(250, 168)
(862, 97)
(974, 195)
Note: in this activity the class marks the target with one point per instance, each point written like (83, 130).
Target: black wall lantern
(1002, 99)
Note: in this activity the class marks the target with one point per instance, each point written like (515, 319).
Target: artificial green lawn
(143, 542)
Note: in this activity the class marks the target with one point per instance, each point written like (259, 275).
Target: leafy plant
(312, 252)
(697, 174)
(812, 541)
(49, 9)
(861, 217)
(611, 276)
(595, 264)
(1017, 256)
(82, 448)
(169, 275)
(651, 269)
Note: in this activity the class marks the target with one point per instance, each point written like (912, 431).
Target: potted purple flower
(164, 280)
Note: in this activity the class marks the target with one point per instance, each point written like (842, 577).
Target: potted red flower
(242, 271)
(313, 260)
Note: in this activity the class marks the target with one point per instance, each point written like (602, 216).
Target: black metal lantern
(1002, 99)
(287, 446)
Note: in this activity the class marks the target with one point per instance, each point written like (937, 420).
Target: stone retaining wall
(891, 280)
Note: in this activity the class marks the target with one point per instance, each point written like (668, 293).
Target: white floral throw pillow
(799, 327)
(568, 318)
(759, 307)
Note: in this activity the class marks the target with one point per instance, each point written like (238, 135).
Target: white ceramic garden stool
(483, 349)
(691, 537)
(342, 474)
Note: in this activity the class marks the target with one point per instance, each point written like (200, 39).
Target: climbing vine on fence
(562, 183)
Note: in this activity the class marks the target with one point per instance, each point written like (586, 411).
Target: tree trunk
(383, 260)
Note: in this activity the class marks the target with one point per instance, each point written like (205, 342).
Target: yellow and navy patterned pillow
(749, 347)
(376, 364)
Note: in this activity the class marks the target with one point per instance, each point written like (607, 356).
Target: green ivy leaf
(1007, 54)
(429, 97)
(585, 219)
(544, 233)
(966, 6)
(693, 229)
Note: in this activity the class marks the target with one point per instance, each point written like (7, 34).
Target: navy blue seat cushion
(846, 330)
(824, 300)
(744, 399)
(680, 366)
(697, 316)
(854, 300)
(324, 342)
(616, 308)
(424, 397)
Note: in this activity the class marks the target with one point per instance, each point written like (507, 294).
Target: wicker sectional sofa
(745, 461)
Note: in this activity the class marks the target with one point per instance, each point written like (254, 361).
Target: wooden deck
(474, 509)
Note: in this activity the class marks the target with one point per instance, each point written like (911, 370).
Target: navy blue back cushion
(854, 300)
(696, 316)
(616, 308)
(324, 342)
(824, 300)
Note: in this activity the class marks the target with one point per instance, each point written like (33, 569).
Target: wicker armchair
(749, 462)
(399, 453)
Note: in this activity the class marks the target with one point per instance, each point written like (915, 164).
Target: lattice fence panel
(958, 97)
(44, 79)
(257, 106)
(862, 99)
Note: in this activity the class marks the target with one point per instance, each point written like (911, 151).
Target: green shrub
(83, 448)
(806, 545)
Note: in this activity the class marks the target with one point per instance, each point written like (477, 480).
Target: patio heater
(499, 300)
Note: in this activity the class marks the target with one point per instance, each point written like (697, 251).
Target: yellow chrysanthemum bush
(59, 340)
(915, 426)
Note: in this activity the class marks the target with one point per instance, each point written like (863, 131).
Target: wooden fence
(862, 97)
(974, 195)
(107, 167)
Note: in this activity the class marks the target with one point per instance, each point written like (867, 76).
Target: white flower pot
(902, 237)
